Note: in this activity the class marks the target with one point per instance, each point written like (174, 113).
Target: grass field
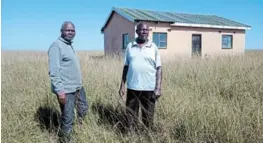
(216, 100)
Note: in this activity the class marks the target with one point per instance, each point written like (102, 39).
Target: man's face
(143, 32)
(68, 32)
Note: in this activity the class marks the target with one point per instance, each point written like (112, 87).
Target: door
(196, 45)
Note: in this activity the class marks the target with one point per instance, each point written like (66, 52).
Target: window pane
(158, 44)
(162, 45)
(125, 40)
(163, 36)
(224, 45)
(160, 39)
(156, 38)
(226, 41)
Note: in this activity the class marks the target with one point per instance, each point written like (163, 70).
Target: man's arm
(124, 75)
(124, 72)
(54, 67)
(158, 83)
(123, 80)
(158, 78)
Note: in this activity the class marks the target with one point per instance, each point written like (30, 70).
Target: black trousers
(147, 101)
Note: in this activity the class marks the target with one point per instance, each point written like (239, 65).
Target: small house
(175, 34)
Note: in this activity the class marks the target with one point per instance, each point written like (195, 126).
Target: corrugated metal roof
(160, 16)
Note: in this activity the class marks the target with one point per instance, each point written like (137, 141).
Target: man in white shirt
(142, 68)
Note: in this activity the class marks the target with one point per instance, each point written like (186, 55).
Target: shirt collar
(65, 41)
(147, 45)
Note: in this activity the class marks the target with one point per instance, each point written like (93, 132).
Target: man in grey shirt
(66, 80)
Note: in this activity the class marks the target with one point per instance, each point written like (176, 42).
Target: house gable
(118, 30)
(115, 10)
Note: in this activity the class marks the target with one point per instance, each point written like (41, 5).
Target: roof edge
(117, 10)
(133, 20)
(210, 26)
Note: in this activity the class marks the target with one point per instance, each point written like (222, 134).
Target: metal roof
(179, 19)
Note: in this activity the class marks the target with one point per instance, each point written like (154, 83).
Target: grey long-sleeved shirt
(64, 68)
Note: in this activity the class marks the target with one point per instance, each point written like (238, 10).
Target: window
(227, 41)
(125, 40)
(160, 39)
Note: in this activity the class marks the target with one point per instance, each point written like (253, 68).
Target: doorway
(196, 45)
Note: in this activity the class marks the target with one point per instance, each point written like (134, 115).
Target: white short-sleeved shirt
(143, 63)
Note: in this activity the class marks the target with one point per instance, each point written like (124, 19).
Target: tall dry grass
(215, 100)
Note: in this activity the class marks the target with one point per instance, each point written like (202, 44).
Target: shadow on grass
(48, 118)
(178, 132)
(108, 115)
(116, 119)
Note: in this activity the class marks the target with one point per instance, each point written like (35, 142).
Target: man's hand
(157, 93)
(62, 98)
(122, 91)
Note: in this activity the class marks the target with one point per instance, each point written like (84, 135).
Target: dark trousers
(78, 100)
(147, 101)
